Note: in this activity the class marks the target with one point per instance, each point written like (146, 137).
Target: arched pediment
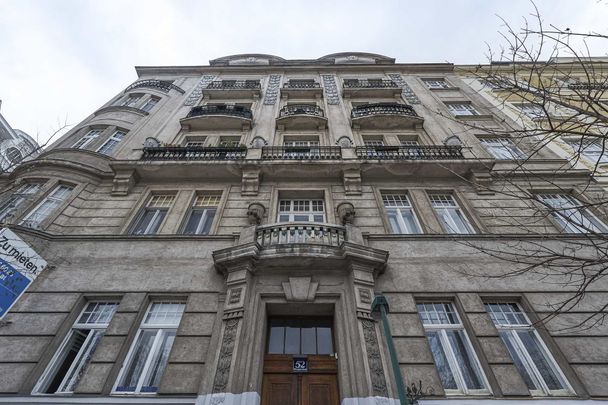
(246, 59)
(356, 58)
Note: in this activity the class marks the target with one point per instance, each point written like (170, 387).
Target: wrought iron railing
(162, 85)
(410, 152)
(301, 109)
(301, 152)
(383, 109)
(302, 84)
(293, 233)
(193, 153)
(234, 84)
(588, 86)
(369, 84)
(234, 110)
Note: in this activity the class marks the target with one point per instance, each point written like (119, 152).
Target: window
(300, 336)
(147, 359)
(42, 211)
(373, 142)
(502, 148)
(455, 359)
(195, 141)
(202, 214)
(229, 141)
(595, 150)
(152, 216)
(400, 214)
(301, 211)
(571, 214)
(150, 103)
(74, 354)
(436, 83)
(450, 215)
(87, 139)
(13, 203)
(13, 155)
(403, 141)
(531, 357)
(301, 148)
(109, 145)
(131, 100)
(531, 110)
(462, 109)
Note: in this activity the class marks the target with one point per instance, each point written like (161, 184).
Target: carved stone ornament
(374, 358)
(346, 212)
(453, 141)
(352, 181)
(222, 373)
(151, 142)
(345, 142)
(258, 142)
(250, 183)
(272, 90)
(255, 213)
(300, 289)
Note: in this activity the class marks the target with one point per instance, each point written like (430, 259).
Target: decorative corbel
(255, 213)
(346, 212)
(482, 180)
(123, 182)
(250, 183)
(352, 181)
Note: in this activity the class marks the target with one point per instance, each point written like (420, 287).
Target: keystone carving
(482, 180)
(346, 213)
(250, 183)
(255, 213)
(352, 181)
(300, 289)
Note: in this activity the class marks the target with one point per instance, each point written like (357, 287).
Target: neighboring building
(209, 224)
(15, 145)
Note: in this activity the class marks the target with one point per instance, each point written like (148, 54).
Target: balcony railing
(383, 109)
(301, 84)
(294, 233)
(162, 85)
(233, 110)
(234, 84)
(193, 153)
(410, 152)
(300, 109)
(369, 84)
(301, 152)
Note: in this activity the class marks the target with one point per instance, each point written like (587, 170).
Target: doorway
(300, 366)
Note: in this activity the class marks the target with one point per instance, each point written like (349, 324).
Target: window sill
(440, 89)
(479, 117)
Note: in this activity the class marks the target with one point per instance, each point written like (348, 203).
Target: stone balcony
(297, 233)
(218, 117)
(415, 152)
(301, 116)
(173, 153)
(233, 89)
(385, 116)
(301, 153)
(365, 88)
(308, 89)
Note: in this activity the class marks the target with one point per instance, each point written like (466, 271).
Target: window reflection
(300, 336)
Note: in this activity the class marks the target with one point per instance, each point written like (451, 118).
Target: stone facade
(236, 138)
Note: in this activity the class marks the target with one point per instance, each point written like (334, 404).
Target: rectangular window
(462, 109)
(202, 214)
(300, 336)
(25, 192)
(109, 145)
(149, 220)
(150, 103)
(301, 211)
(400, 214)
(405, 141)
(43, 210)
(502, 148)
(131, 100)
(455, 359)
(450, 215)
(531, 357)
(436, 83)
(71, 360)
(571, 214)
(297, 148)
(595, 151)
(531, 110)
(87, 139)
(147, 359)
(229, 141)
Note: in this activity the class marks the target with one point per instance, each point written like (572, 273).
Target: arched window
(13, 155)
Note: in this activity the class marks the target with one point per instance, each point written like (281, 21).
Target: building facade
(217, 235)
(15, 145)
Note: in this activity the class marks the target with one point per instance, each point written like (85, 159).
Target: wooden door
(319, 389)
(280, 389)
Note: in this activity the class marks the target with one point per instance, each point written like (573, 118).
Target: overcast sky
(65, 58)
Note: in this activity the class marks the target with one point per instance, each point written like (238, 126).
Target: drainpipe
(380, 305)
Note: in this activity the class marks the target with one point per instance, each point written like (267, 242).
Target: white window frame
(437, 83)
(150, 206)
(150, 104)
(400, 203)
(591, 151)
(442, 329)
(111, 142)
(51, 200)
(131, 100)
(310, 212)
(12, 204)
(451, 227)
(522, 351)
(87, 138)
(503, 148)
(82, 359)
(152, 354)
(532, 111)
(229, 141)
(211, 202)
(464, 108)
(562, 215)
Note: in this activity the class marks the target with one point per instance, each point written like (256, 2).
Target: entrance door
(303, 338)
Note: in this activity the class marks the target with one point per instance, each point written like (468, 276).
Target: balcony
(301, 89)
(409, 152)
(385, 116)
(302, 153)
(233, 89)
(173, 153)
(218, 117)
(300, 233)
(160, 85)
(301, 116)
(354, 88)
